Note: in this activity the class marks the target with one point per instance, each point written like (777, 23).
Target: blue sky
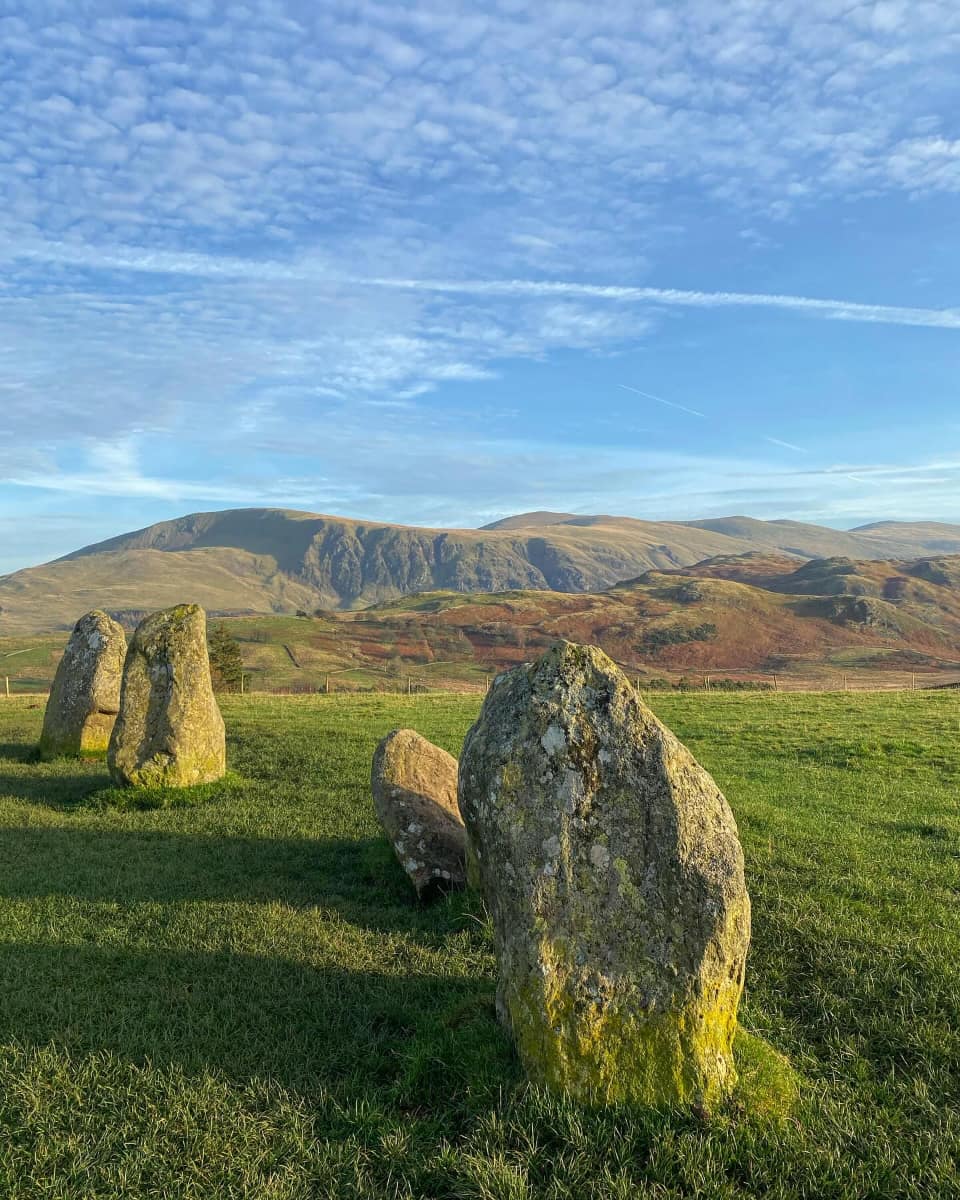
(436, 262)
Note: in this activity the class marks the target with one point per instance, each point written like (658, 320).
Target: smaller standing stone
(85, 696)
(169, 732)
(414, 787)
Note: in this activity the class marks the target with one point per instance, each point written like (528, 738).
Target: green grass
(29, 663)
(235, 995)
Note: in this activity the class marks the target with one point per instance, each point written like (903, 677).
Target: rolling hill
(747, 618)
(281, 561)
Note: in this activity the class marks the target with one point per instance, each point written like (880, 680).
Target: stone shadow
(249, 1017)
(360, 879)
(58, 784)
(22, 752)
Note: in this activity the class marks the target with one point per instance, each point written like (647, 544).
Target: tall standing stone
(414, 785)
(169, 732)
(85, 696)
(611, 866)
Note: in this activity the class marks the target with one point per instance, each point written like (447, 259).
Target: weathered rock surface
(610, 864)
(169, 732)
(414, 786)
(85, 696)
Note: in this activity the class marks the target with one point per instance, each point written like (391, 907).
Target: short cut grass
(235, 995)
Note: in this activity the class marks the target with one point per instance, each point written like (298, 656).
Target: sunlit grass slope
(236, 996)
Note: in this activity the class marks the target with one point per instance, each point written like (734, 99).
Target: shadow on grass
(62, 785)
(360, 879)
(411, 1039)
(918, 829)
(50, 789)
(19, 752)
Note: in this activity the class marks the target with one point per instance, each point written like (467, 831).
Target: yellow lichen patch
(606, 1053)
(95, 737)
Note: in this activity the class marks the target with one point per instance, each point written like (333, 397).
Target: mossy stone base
(614, 1051)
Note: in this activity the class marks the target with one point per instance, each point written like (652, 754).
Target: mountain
(530, 520)
(277, 560)
(884, 539)
(742, 617)
(749, 617)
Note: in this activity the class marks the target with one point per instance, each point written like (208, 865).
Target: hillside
(281, 561)
(748, 617)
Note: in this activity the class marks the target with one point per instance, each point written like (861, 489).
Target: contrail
(786, 445)
(660, 400)
(839, 310)
(208, 266)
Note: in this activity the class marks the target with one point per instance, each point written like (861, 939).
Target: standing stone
(169, 732)
(610, 864)
(414, 786)
(85, 696)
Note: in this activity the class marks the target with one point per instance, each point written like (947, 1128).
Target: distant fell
(530, 520)
(280, 560)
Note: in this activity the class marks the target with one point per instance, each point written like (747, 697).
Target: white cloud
(227, 228)
(316, 119)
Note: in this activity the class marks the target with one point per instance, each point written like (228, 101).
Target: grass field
(346, 653)
(236, 996)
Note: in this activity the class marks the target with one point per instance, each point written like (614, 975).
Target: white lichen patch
(600, 856)
(553, 740)
(551, 847)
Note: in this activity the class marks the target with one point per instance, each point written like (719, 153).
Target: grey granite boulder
(169, 732)
(414, 786)
(85, 696)
(611, 867)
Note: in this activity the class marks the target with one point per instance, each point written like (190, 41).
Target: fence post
(6, 680)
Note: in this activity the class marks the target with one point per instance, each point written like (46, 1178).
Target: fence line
(724, 681)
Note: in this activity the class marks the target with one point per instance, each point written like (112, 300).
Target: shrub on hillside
(226, 662)
(688, 593)
(655, 640)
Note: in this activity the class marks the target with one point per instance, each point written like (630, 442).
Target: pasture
(234, 994)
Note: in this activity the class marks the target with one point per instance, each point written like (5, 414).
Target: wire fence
(730, 680)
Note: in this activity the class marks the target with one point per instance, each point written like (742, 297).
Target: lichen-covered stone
(169, 732)
(414, 786)
(85, 696)
(611, 867)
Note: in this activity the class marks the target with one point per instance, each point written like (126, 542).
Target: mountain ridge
(746, 618)
(281, 560)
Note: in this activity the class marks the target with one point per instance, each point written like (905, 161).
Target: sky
(436, 262)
